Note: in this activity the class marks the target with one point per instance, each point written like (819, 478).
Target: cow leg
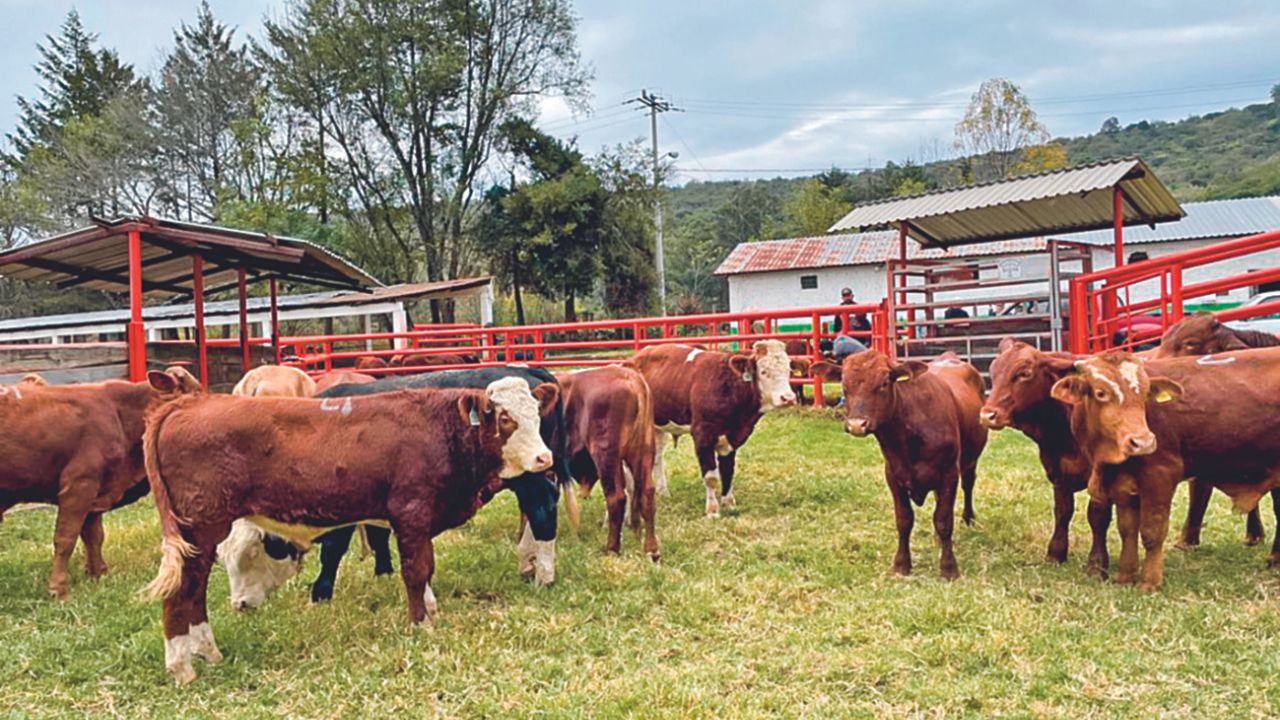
(537, 558)
(1274, 560)
(1253, 532)
(380, 543)
(202, 643)
(1154, 526)
(73, 507)
(1197, 502)
(967, 477)
(1064, 507)
(91, 535)
(728, 462)
(1127, 522)
(905, 517)
(710, 476)
(659, 467)
(333, 545)
(185, 616)
(417, 565)
(612, 481)
(643, 505)
(944, 518)
(1099, 522)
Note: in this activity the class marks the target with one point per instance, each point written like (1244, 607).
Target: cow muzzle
(1139, 444)
(991, 419)
(541, 462)
(857, 427)
(785, 399)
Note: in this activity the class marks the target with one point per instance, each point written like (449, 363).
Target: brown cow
(275, 381)
(370, 362)
(1202, 334)
(1146, 426)
(609, 418)
(342, 377)
(422, 461)
(717, 398)
(428, 360)
(80, 448)
(925, 418)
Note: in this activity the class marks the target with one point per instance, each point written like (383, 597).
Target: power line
(657, 105)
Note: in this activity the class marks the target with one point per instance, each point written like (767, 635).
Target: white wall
(781, 290)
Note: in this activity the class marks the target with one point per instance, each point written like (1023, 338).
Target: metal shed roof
(869, 248)
(1210, 219)
(97, 258)
(1059, 201)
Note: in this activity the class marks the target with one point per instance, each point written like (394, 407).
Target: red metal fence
(1102, 306)
(588, 343)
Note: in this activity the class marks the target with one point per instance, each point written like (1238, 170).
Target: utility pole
(657, 105)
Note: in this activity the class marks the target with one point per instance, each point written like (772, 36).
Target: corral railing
(585, 344)
(1104, 314)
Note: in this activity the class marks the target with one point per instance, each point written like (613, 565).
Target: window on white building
(808, 282)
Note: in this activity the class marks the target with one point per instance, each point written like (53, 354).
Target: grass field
(783, 609)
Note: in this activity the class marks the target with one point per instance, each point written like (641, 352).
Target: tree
(910, 186)
(629, 274)
(998, 123)
(1039, 158)
(694, 256)
(813, 208)
(745, 216)
(411, 93)
(76, 80)
(208, 101)
(1110, 126)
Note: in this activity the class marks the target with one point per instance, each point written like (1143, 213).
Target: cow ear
(828, 371)
(164, 382)
(801, 365)
(759, 349)
(1059, 363)
(907, 371)
(474, 408)
(546, 394)
(742, 365)
(1164, 390)
(1071, 389)
(1006, 344)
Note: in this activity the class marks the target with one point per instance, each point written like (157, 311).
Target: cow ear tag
(746, 376)
(475, 418)
(903, 378)
(1163, 396)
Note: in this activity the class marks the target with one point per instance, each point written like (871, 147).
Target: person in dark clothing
(858, 322)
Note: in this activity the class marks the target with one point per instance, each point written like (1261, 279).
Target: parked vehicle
(1265, 323)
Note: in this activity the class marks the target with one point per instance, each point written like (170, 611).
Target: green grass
(783, 609)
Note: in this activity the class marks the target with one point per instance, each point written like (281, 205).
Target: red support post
(197, 298)
(1175, 292)
(243, 287)
(815, 354)
(136, 333)
(275, 321)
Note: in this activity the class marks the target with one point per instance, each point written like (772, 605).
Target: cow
(717, 398)
(80, 448)
(275, 381)
(253, 558)
(419, 461)
(341, 377)
(1146, 426)
(925, 419)
(34, 380)
(1022, 379)
(429, 360)
(609, 416)
(537, 498)
(1202, 334)
(369, 362)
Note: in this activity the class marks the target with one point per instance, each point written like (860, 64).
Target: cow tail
(174, 548)
(561, 451)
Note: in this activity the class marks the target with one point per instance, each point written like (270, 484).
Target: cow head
(509, 411)
(1199, 334)
(769, 367)
(1109, 394)
(871, 383)
(1021, 378)
(257, 563)
(174, 381)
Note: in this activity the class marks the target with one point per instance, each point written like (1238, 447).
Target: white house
(810, 271)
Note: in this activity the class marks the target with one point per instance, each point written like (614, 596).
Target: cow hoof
(728, 502)
(1274, 561)
(183, 674)
(1096, 571)
(901, 572)
(1146, 587)
(1251, 540)
(1055, 558)
(968, 520)
(1124, 578)
(1185, 544)
(95, 572)
(58, 592)
(655, 557)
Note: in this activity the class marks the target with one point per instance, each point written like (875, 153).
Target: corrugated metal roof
(1210, 219)
(1203, 220)
(870, 248)
(1059, 201)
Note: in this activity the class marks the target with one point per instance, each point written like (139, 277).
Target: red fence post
(136, 334)
(816, 353)
(275, 320)
(242, 286)
(197, 299)
(1175, 293)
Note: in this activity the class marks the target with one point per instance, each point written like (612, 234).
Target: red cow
(609, 417)
(421, 461)
(341, 377)
(925, 418)
(717, 398)
(80, 448)
(1146, 426)
(369, 362)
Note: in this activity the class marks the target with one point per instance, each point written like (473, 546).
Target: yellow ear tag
(1163, 396)
(903, 378)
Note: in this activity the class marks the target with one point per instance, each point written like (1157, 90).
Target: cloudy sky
(783, 88)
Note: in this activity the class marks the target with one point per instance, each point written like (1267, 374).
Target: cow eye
(1025, 374)
(506, 422)
(1101, 395)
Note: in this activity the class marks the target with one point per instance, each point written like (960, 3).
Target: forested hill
(1232, 153)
